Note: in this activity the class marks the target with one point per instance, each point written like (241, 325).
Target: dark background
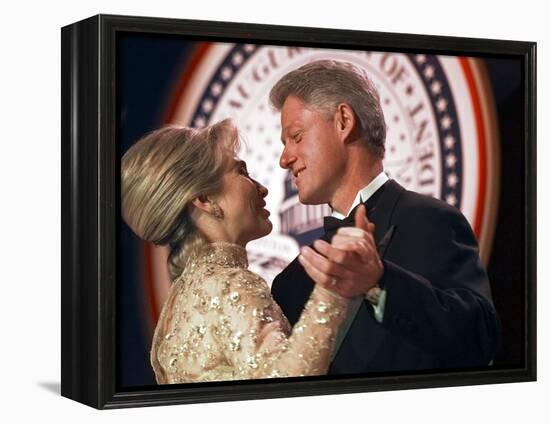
(148, 69)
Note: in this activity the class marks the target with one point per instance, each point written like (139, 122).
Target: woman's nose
(262, 190)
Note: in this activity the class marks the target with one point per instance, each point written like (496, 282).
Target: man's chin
(308, 199)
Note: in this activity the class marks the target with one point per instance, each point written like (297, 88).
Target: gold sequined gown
(221, 323)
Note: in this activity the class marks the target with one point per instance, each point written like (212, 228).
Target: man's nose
(286, 159)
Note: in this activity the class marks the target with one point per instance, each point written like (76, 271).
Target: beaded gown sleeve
(221, 323)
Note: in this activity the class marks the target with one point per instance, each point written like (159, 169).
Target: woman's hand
(349, 265)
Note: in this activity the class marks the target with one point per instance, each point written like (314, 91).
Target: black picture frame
(90, 209)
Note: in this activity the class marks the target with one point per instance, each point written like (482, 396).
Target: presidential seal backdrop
(442, 137)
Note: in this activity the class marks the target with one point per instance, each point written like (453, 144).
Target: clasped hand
(349, 265)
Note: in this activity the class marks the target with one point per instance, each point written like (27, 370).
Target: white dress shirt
(362, 196)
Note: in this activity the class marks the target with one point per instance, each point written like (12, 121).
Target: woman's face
(243, 205)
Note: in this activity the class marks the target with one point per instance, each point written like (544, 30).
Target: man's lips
(298, 175)
(298, 172)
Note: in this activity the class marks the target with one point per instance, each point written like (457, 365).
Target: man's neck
(356, 179)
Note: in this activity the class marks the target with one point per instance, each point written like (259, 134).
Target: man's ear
(346, 122)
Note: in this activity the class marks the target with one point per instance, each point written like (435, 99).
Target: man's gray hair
(324, 84)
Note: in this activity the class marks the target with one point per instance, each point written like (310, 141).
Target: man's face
(312, 151)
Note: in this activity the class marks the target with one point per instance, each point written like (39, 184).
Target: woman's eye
(244, 171)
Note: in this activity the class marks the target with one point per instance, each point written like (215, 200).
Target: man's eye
(297, 137)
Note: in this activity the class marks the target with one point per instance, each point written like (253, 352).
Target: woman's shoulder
(221, 278)
(245, 281)
(221, 269)
(237, 284)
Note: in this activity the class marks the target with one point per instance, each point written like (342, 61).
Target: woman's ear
(346, 122)
(203, 203)
(207, 205)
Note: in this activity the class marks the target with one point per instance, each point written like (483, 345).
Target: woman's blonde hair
(163, 172)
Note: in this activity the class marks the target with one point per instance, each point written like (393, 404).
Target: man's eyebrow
(284, 131)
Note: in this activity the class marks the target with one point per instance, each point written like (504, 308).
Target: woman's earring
(218, 213)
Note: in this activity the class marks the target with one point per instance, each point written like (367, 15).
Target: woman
(184, 187)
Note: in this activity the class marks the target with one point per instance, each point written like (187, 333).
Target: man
(423, 300)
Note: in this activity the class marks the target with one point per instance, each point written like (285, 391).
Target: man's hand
(349, 265)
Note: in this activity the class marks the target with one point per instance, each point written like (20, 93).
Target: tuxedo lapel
(360, 319)
(380, 213)
(383, 244)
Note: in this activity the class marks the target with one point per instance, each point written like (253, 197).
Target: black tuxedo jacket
(438, 312)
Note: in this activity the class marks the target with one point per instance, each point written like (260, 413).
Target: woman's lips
(263, 210)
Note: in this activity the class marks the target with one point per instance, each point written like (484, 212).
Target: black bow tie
(331, 224)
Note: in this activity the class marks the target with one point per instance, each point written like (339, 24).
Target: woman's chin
(267, 227)
(262, 227)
